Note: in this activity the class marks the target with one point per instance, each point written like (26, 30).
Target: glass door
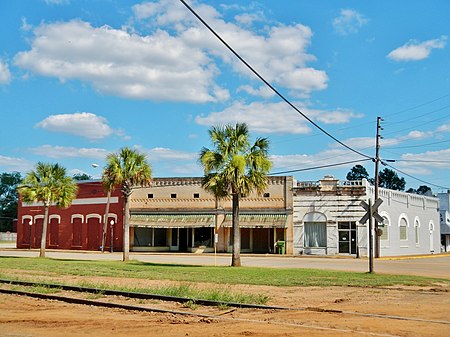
(347, 237)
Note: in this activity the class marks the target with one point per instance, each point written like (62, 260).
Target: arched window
(417, 231)
(385, 229)
(403, 226)
(315, 230)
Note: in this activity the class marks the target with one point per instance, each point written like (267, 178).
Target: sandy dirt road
(329, 312)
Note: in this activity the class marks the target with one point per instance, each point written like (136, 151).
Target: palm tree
(235, 167)
(48, 184)
(126, 169)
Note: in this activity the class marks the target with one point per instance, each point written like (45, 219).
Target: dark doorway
(183, 240)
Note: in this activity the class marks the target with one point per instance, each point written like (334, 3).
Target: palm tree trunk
(44, 231)
(236, 254)
(126, 230)
(105, 222)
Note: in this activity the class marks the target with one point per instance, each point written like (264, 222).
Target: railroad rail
(137, 295)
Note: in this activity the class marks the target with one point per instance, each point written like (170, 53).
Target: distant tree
(358, 172)
(82, 176)
(389, 179)
(126, 169)
(48, 184)
(422, 190)
(235, 167)
(8, 199)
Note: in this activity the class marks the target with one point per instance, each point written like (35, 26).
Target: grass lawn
(218, 275)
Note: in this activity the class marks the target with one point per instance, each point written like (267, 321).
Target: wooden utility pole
(370, 238)
(377, 164)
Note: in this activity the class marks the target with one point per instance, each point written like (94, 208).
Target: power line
(322, 166)
(408, 175)
(418, 106)
(425, 114)
(423, 123)
(269, 85)
(421, 161)
(411, 146)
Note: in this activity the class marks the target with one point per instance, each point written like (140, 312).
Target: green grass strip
(285, 277)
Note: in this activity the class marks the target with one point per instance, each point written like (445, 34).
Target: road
(431, 265)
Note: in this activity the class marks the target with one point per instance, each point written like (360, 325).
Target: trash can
(281, 247)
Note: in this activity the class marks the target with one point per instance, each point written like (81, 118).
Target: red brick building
(77, 227)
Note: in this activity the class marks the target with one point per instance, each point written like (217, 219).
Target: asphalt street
(431, 265)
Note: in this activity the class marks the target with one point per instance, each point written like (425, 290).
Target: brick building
(78, 227)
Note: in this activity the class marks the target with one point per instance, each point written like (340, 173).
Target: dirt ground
(332, 311)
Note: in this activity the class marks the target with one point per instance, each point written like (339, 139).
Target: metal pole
(112, 235)
(105, 219)
(377, 164)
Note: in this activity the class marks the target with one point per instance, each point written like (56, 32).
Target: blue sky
(81, 79)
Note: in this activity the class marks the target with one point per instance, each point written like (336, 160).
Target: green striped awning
(172, 220)
(258, 220)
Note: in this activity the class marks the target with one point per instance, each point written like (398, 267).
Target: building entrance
(347, 237)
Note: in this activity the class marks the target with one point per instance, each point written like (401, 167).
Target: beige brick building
(177, 214)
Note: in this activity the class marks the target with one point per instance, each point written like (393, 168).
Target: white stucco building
(444, 200)
(327, 214)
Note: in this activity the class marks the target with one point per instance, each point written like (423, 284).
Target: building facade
(177, 214)
(444, 200)
(327, 214)
(79, 226)
(174, 214)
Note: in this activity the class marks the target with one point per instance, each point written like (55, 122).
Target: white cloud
(263, 91)
(82, 124)
(178, 61)
(69, 152)
(15, 164)
(247, 19)
(274, 117)
(154, 67)
(5, 75)
(414, 50)
(349, 22)
(279, 53)
(57, 2)
(435, 160)
(305, 161)
(444, 128)
(164, 154)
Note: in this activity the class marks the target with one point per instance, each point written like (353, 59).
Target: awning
(172, 220)
(258, 221)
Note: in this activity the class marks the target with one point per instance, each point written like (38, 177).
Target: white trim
(27, 217)
(111, 215)
(38, 217)
(93, 215)
(54, 216)
(77, 216)
(81, 201)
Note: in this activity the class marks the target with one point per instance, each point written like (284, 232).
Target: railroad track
(221, 316)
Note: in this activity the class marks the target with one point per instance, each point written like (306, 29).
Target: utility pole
(377, 164)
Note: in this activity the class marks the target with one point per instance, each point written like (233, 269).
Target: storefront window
(315, 234)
